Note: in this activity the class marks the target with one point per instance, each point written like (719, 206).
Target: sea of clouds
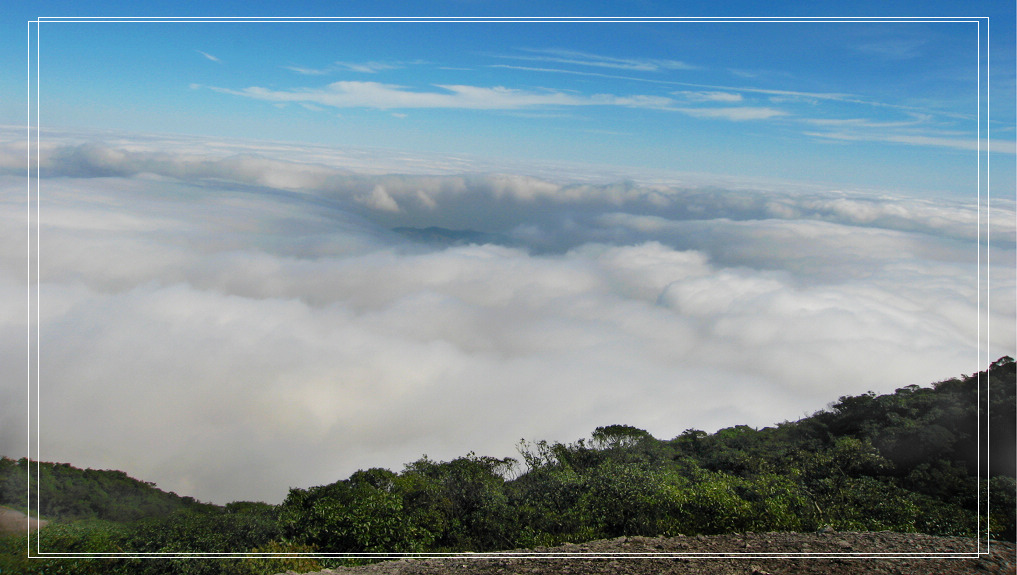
(232, 319)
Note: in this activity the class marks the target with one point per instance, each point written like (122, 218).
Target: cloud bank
(230, 325)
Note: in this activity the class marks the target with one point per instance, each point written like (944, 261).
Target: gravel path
(733, 554)
(13, 521)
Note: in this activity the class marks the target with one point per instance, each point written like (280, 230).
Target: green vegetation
(908, 461)
(69, 493)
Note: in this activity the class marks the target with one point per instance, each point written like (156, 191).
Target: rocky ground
(882, 553)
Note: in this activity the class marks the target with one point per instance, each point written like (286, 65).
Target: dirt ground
(882, 553)
(14, 521)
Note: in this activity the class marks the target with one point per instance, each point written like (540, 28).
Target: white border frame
(33, 275)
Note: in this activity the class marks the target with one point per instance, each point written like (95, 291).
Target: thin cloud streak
(306, 71)
(968, 144)
(598, 61)
(816, 95)
(736, 113)
(366, 67)
(582, 73)
(830, 96)
(389, 96)
(209, 56)
(363, 67)
(719, 93)
(864, 123)
(710, 96)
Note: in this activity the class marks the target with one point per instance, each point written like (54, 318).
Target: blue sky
(880, 105)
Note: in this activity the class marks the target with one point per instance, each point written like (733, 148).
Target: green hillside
(67, 493)
(907, 461)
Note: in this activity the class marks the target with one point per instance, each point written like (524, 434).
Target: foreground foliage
(909, 461)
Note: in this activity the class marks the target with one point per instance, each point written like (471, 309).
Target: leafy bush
(361, 514)
(632, 500)
(547, 507)
(472, 500)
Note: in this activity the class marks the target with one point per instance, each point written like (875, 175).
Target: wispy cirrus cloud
(719, 91)
(705, 96)
(599, 61)
(734, 113)
(970, 144)
(917, 119)
(786, 93)
(394, 97)
(372, 67)
(710, 88)
(366, 67)
(307, 71)
(389, 96)
(776, 96)
(209, 56)
(580, 73)
(708, 101)
(919, 130)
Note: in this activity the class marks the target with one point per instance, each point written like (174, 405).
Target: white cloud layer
(232, 325)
